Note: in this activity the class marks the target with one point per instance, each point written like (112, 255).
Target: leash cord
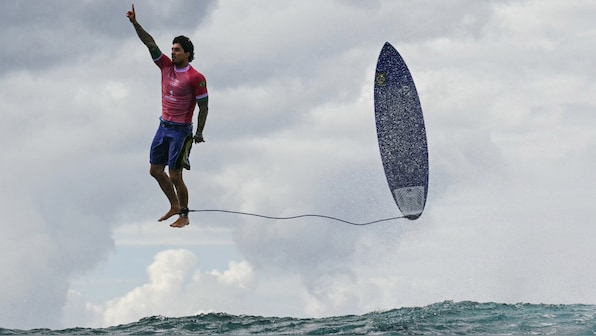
(295, 217)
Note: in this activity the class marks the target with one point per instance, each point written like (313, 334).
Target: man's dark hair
(186, 46)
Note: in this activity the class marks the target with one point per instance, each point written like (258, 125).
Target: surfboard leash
(296, 217)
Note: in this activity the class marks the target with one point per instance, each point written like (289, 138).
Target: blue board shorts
(171, 145)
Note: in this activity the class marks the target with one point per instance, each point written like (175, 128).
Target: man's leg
(165, 182)
(182, 192)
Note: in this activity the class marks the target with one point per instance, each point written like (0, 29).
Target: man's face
(179, 57)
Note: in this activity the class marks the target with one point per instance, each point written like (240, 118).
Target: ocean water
(445, 318)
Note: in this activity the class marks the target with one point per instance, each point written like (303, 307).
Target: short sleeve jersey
(180, 89)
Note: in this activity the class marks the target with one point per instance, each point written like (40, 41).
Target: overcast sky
(508, 93)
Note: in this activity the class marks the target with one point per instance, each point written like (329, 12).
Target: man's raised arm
(143, 35)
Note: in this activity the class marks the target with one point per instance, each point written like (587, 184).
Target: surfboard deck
(401, 133)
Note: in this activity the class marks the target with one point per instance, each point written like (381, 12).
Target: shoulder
(194, 73)
(197, 77)
(162, 61)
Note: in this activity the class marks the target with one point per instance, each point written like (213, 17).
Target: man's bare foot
(182, 221)
(172, 212)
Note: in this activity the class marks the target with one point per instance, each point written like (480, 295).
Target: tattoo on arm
(146, 39)
(202, 117)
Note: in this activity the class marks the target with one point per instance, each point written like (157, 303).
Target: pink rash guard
(180, 90)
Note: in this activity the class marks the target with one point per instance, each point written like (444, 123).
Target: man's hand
(198, 138)
(143, 35)
(131, 14)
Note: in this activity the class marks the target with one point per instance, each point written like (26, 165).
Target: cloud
(176, 285)
(62, 32)
(498, 110)
(64, 129)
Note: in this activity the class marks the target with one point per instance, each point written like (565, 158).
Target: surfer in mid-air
(181, 88)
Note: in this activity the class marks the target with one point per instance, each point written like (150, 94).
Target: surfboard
(401, 133)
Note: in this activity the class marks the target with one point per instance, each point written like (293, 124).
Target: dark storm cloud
(37, 34)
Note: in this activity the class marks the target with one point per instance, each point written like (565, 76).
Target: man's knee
(157, 171)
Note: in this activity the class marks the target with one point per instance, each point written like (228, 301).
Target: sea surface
(445, 318)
